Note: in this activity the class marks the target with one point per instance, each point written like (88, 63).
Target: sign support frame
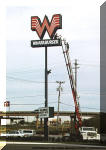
(40, 28)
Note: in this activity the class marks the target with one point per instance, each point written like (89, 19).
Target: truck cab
(89, 133)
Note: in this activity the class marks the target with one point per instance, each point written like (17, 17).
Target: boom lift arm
(65, 49)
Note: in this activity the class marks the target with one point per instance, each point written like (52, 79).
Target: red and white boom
(65, 48)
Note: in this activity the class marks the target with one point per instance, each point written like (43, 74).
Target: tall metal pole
(46, 97)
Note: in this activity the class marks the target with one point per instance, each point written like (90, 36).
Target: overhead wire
(32, 104)
(27, 96)
(52, 66)
(18, 104)
(81, 106)
(63, 93)
(25, 80)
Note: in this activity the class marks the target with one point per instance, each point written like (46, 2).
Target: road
(49, 146)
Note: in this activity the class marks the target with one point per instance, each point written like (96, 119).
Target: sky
(25, 65)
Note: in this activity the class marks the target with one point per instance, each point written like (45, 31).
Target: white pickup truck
(89, 133)
(12, 134)
(19, 133)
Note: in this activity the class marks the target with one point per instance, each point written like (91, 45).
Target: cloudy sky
(25, 65)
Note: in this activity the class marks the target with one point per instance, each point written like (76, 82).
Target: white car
(12, 134)
(27, 132)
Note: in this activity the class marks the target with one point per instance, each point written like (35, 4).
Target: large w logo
(40, 28)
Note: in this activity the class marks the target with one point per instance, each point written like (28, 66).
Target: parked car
(27, 132)
(12, 134)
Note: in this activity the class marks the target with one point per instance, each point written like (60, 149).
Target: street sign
(46, 112)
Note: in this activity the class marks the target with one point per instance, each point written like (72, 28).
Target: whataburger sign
(43, 43)
(42, 27)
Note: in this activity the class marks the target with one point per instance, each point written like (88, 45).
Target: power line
(91, 65)
(29, 96)
(81, 106)
(54, 66)
(24, 80)
(25, 69)
(16, 104)
(54, 102)
(33, 96)
(31, 104)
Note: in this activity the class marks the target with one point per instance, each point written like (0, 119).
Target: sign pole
(46, 96)
(40, 28)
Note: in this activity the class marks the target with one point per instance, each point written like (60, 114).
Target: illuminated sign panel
(50, 27)
(48, 43)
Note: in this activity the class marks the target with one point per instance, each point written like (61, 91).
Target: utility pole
(59, 89)
(76, 67)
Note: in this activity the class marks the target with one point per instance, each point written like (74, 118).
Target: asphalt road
(50, 146)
